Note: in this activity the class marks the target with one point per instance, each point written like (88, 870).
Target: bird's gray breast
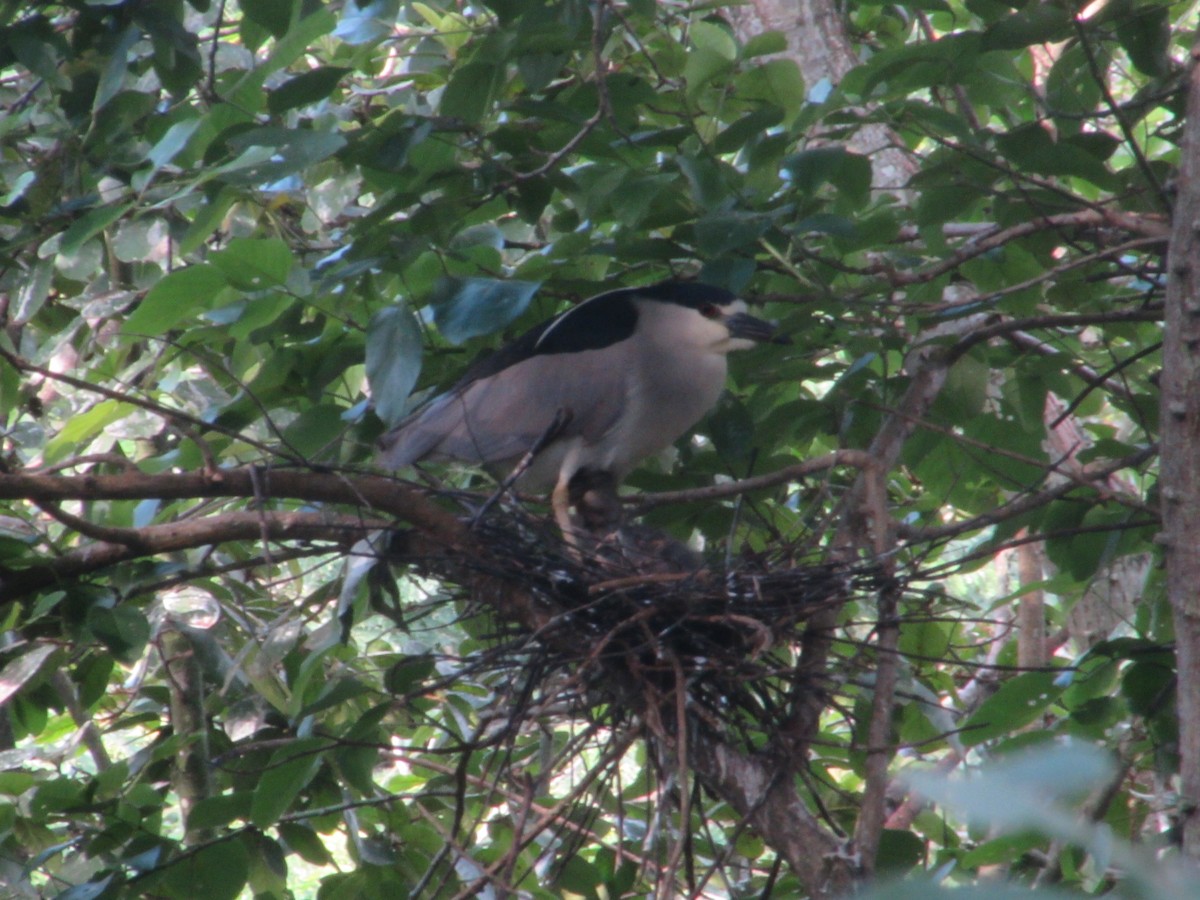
(668, 393)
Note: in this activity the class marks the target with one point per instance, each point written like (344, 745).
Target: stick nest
(633, 623)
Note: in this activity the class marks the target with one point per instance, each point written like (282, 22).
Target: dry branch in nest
(637, 624)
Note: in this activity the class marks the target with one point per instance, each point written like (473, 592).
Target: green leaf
(170, 145)
(1038, 23)
(849, 172)
(300, 39)
(1019, 791)
(704, 66)
(927, 889)
(315, 431)
(251, 264)
(17, 672)
(786, 84)
(270, 153)
(20, 185)
(91, 224)
(777, 82)
(1145, 34)
(723, 233)
(464, 308)
(899, 851)
(123, 629)
(1001, 850)
(393, 358)
(218, 811)
(216, 872)
(764, 44)
(714, 37)
(273, 15)
(113, 77)
(1018, 703)
(287, 774)
(305, 842)
(539, 69)
(357, 764)
(85, 426)
(579, 877)
(916, 66)
(471, 91)
(56, 795)
(1032, 149)
(1149, 688)
(311, 87)
(268, 866)
(177, 297)
(335, 693)
(87, 891)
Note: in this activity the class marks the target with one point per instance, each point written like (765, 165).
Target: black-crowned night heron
(595, 390)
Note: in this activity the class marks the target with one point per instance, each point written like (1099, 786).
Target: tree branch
(341, 530)
(858, 459)
(372, 492)
(1025, 502)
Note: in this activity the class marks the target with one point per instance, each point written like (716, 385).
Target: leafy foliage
(239, 236)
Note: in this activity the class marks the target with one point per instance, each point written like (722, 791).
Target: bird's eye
(710, 311)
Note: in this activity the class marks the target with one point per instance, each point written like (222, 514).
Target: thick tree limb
(865, 525)
(372, 492)
(764, 793)
(1180, 471)
(342, 531)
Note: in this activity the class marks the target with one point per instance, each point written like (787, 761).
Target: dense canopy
(929, 537)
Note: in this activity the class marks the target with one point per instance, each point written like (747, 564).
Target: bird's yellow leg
(560, 502)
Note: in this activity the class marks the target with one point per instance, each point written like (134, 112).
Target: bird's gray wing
(498, 418)
(418, 436)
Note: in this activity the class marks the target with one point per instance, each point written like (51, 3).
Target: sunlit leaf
(174, 299)
(305, 842)
(287, 773)
(254, 263)
(1018, 702)
(464, 308)
(17, 672)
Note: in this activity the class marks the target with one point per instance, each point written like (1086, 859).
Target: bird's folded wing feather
(500, 417)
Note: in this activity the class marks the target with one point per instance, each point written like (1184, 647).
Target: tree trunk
(1180, 474)
(190, 776)
(817, 41)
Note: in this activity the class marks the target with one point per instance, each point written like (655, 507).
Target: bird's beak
(744, 325)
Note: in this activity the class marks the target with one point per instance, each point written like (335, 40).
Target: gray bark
(817, 41)
(1180, 473)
